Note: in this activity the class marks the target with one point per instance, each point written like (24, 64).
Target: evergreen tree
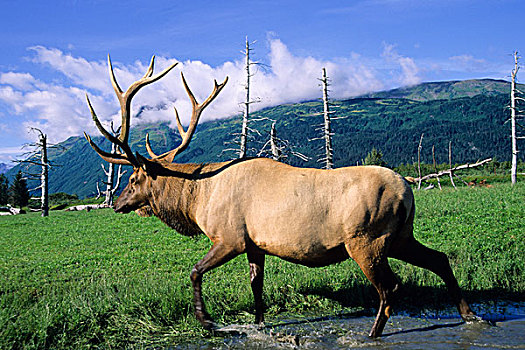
(375, 157)
(19, 192)
(4, 187)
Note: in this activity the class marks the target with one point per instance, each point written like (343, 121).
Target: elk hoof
(205, 320)
(374, 334)
(259, 320)
(472, 318)
(208, 325)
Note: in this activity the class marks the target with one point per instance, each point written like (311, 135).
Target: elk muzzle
(126, 202)
(121, 207)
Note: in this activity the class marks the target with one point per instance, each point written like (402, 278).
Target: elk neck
(175, 192)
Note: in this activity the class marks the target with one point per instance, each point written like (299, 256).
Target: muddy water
(505, 329)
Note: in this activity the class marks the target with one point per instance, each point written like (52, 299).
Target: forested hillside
(475, 126)
(446, 90)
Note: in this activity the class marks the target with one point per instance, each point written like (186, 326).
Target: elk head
(135, 195)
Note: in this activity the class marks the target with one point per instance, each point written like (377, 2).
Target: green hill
(475, 125)
(447, 90)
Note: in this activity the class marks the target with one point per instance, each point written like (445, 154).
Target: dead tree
(435, 165)
(514, 116)
(453, 169)
(419, 161)
(326, 128)
(38, 156)
(247, 101)
(111, 185)
(329, 151)
(241, 139)
(279, 148)
(275, 149)
(450, 164)
(44, 175)
(243, 147)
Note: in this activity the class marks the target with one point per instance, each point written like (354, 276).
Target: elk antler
(195, 115)
(124, 98)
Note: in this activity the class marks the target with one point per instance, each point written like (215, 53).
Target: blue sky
(53, 52)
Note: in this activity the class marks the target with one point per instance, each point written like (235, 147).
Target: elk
(263, 207)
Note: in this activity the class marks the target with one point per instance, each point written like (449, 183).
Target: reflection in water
(434, 330)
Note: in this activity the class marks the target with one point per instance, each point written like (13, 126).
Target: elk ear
(143, 162)
(149, 167)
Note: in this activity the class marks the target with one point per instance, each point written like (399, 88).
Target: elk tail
(410, 180)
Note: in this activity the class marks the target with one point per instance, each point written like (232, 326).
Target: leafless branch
(453, 169)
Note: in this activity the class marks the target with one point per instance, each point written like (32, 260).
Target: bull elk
(263, 207)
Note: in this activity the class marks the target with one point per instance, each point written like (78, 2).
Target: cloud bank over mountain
(57, 105)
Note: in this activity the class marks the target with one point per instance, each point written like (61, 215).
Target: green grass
(102, 280)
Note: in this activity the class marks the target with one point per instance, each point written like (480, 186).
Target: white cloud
(78, 70)
(469, 63)
(12, 97)
(59, 108)
(409, 70)
(21, 81)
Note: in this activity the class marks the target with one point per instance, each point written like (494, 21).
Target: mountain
(4, 167)
(475, 125)
(447, 90)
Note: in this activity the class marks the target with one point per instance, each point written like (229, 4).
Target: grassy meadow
(101, 280)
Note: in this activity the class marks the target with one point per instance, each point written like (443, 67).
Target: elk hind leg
(374, 263)
(216, 256)
(415, 253)
(256, 261)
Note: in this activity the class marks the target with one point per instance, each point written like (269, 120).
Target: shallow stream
(504, 329)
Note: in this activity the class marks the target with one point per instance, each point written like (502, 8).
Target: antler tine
(181, 132)
(199, 107)
(179, 124)
(195, 116)
(127, 159)
(125, 97)
(148, 148)
(102, 130)
(109, 157)
(149, 72)
(116, 86)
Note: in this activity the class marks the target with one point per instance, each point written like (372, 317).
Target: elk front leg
(216, 256)
(256, 260)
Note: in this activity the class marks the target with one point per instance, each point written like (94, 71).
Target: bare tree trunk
(450, 163)
(38, 157)
(514, 166)
(110, 175)
(451, 170)
(327, 124)
(44, 178)
(246, 114)
(111, 186)
(419, 161)
(435, 165)
(276, 152)
(278, 147)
